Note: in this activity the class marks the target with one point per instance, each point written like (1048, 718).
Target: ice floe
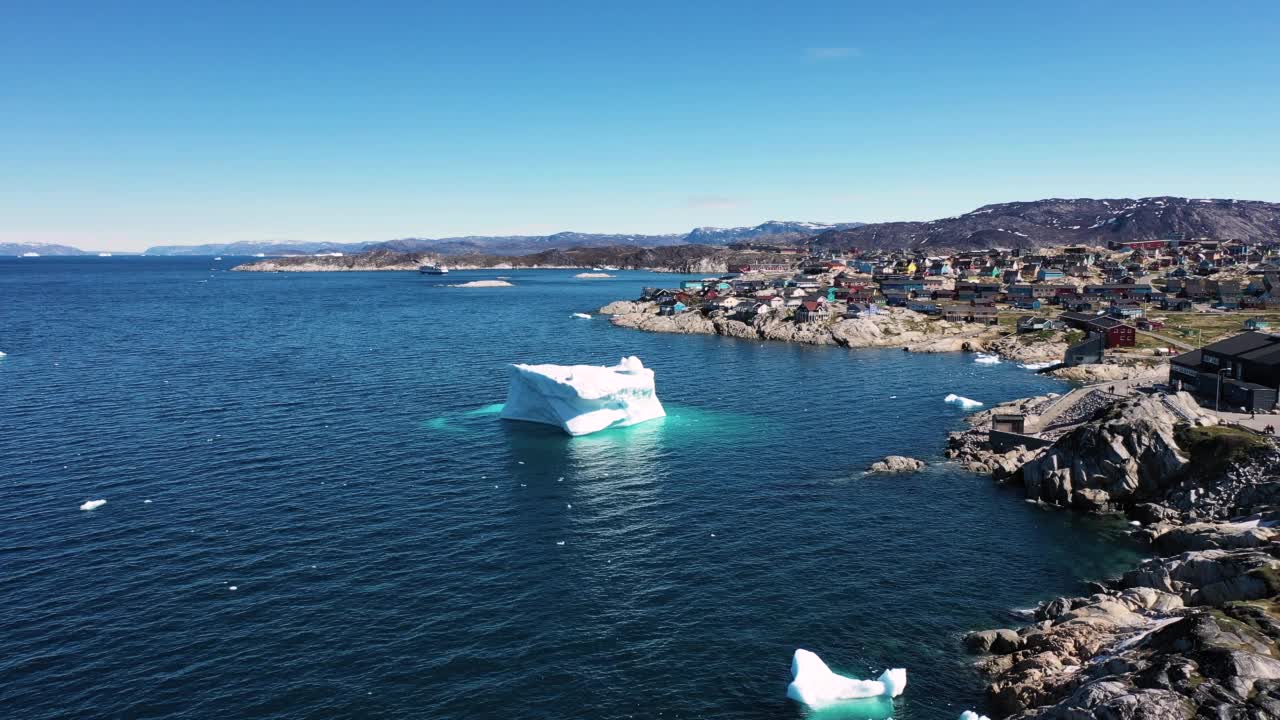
(592, 275)
(582, 399)
(985, 359)
(963, 402)
(815, 685)
(584, 316)
(1038, 365)
(93, 504)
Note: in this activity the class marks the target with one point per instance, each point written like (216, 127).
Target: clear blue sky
(126, 124)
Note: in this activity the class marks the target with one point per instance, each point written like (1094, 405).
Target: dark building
(1244, 371)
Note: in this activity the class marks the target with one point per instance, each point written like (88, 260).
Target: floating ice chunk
(985, 359)
(971, 715)
(93, 504)
(582, 399)
(584, 316)
(1038, 365)
(963, 402)
(1, 354)
(813, 683)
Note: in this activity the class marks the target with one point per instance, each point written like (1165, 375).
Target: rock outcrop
(896, 464)
(1127, 454)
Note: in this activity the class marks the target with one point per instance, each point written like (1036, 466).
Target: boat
(433, 269)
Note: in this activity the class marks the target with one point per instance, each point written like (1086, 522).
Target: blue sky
(127, 124)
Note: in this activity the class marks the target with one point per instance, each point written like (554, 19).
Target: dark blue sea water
(327, 444)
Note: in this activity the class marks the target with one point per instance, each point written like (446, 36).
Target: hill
(39, 249)
(1057, 222)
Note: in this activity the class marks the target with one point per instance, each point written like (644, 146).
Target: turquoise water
(329, 445)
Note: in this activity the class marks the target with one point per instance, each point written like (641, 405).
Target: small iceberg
(592, 275)
(971, 715)
(582, 399)
(813, 683)
(963, 402)
(483, 284)
(1038, 365)
(985, 359)
(1, 354)
(93, 505)
(584, 316)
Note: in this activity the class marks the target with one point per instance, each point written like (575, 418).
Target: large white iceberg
(963, 402)
(582, 399)
(813, 683)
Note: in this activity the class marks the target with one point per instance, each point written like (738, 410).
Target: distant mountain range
(771, 231)
(1036, 223)
(1058, 222)
(39, 249)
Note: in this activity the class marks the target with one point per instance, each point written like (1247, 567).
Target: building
(812, 311)
(1240, 371)
(1114, 332)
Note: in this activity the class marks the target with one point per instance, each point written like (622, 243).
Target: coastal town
(1083, 313)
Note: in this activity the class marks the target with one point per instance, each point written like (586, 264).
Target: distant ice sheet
(815, 685)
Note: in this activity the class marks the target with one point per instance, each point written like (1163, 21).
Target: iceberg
(93, 504)
(584, 316)
(813, 683)
(963, 402)
(582, 399)
(984, 359)
(971, 715)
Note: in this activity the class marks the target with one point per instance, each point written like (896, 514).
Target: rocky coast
(1193, 632)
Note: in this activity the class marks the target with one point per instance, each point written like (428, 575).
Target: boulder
(896, 464)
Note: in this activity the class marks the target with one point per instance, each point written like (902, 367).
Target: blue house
(1027, 303)
(1049, 274)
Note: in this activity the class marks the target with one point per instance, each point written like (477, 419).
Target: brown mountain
(1070, 222)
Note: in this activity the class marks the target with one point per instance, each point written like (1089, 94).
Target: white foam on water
(1037, 365)
(93, 504)
(984, 359)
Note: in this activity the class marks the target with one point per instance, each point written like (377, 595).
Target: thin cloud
(713, 202)
(831, 53)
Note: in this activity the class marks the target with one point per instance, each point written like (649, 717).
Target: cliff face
(1057, 222)
(1127, 454)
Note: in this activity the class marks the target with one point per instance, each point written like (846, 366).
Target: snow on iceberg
(963, 402)
(985, 359)
(582, 399)
(813, 683)
(93, 504)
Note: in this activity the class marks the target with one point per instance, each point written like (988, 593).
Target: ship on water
(433, 270)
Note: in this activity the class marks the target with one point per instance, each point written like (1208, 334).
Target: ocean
(313, 510)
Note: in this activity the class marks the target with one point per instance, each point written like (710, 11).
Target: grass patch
(1213, 449)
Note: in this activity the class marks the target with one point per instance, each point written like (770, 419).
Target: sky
(130, 124)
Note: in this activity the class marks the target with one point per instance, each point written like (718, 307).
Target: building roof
(1268, 355)
(1243, 343)
(1189, 359)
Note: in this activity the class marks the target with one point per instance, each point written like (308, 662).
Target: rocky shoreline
(890, 328)
(1193, 632)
